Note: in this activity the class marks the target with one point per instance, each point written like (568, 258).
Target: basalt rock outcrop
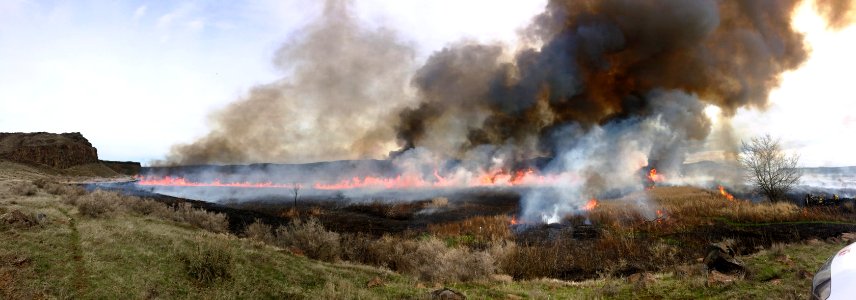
(59, 151)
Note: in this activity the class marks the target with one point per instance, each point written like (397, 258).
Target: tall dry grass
(105, 204)
(24, 188)
(483, 230)
(427, 258)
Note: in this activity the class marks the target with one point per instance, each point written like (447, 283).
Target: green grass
(132, 256)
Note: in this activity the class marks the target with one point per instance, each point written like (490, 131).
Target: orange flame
(514, 221)
(181, 181)
(660, 216)
(494, 178)
(727, 195)
(590, 205)
(654, 176)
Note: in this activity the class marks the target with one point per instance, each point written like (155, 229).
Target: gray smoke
(343, 84)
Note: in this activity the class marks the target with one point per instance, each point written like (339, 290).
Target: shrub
(358, 247)
(24, 188)
(431, 260)
(59, 189)
(99, 204)
(427, 258)
(207, 262)
(150, 207)
(68, 193)
(311, 238)
(201, 218)
(260, 231)
(41, 182)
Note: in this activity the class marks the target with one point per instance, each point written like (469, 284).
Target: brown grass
(609, 255)
(59, 189)
(693, 206)
(23, 188)
(105, 204)
(680, 209)
(482, 229)
(428, 259)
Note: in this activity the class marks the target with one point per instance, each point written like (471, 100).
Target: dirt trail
(79, 276)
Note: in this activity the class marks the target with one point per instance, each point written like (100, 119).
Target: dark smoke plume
(344, 82)
(599, 62)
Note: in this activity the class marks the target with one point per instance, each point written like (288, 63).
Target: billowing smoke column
(601, 62)
(613, 85)
(342, 85)
(603, 88)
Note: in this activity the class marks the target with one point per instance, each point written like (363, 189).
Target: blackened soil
(378, 218)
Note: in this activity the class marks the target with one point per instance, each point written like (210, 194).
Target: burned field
(621, 236)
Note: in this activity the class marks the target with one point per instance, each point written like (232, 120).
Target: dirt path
(79, 276)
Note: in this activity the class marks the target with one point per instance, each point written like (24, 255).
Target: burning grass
(691, 206)
(648, 231)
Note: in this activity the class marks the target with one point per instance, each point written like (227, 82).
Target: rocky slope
(59, 151)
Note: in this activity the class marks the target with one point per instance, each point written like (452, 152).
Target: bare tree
(295, 189)
(769, 168)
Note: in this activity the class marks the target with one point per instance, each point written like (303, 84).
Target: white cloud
(196, 25)
(140, 12)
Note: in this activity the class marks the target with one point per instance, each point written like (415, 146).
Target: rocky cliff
(59, 151)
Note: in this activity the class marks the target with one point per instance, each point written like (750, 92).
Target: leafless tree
(295, 189)
(769, 168)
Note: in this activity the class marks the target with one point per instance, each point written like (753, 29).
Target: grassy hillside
(69, 244)
(69, 255)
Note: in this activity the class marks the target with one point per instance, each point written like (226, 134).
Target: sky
(136, 77)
